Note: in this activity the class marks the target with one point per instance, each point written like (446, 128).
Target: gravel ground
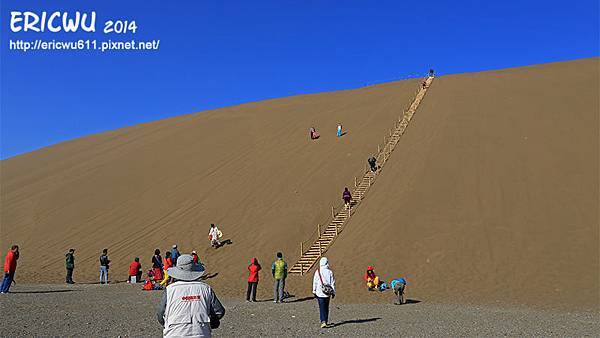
(125, 310)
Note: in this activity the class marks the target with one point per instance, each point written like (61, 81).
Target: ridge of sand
(492, 191)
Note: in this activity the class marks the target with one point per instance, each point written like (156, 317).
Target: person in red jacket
(135, 270)
(254, 268)
(10, 266)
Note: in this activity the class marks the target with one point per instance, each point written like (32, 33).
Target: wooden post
(319, 230)
(301, 269)
(320, 251)
(355, 182)
(301, 250)
(378, 150)
(336, 230)
(332, 212)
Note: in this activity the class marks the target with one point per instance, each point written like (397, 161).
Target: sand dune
(494, 188)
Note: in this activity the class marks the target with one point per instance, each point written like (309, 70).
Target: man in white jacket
(214, 234)
(323, 277)
(189, 308)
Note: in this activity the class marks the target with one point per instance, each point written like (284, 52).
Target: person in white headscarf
(324, 289)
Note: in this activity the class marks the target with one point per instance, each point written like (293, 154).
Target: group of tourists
(186, 296)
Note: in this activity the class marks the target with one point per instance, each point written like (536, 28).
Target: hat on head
(186, 269)
(174, 246)
(193, 251)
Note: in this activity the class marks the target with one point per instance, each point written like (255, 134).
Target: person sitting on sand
(372, 279)
(313, 133)
(347, 197)
(135, 271)
(213, 235)
(150, 283)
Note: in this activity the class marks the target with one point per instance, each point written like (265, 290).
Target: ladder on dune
(325, 236)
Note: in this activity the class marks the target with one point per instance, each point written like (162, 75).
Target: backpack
(326, 288)
(279, 269)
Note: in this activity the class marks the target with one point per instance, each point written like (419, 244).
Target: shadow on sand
(298, 300)
(355, 321)
(411, 301)
(209, 276)
(224, 242)
(44, 291)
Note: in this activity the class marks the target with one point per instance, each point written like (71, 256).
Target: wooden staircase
(325, 236)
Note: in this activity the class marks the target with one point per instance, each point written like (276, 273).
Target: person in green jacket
(279, 270)
(70, 265)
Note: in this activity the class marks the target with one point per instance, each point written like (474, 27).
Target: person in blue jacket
(399, 286)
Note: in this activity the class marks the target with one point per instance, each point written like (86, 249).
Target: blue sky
(219, 53)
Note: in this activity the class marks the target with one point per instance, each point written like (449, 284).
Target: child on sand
(372, 279)
(167, 263)
(253, 269)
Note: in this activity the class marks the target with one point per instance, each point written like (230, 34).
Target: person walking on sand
(279, 269)
(70, 265)
(135, 271)
(188, 307)
(104, 266)
(10, 267)
(174, 254)
(339, 130)
(157, 265)
(254, 268)
(214, 234)
(324, 290)
(347, 197)
(167, 263)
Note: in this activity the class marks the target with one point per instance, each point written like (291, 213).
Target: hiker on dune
(157, 265)
(189, 308)
(253, 269)
(372, 279)
(339, 130)
(372, 163)
(323, 288)
(10, 267)
(313, 134)
(213, 235)
(347, 197)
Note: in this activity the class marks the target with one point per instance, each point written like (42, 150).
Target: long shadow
(356, 321)
(210, 276)
(47, 291)
(300, 300)
(224, 242)
(411, 301)
(343, 133)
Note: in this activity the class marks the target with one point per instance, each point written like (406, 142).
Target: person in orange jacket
(10, 267)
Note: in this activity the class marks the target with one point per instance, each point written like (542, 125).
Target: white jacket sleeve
(316, 283)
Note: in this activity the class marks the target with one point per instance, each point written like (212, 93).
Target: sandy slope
(492, 195)
(493, 189)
